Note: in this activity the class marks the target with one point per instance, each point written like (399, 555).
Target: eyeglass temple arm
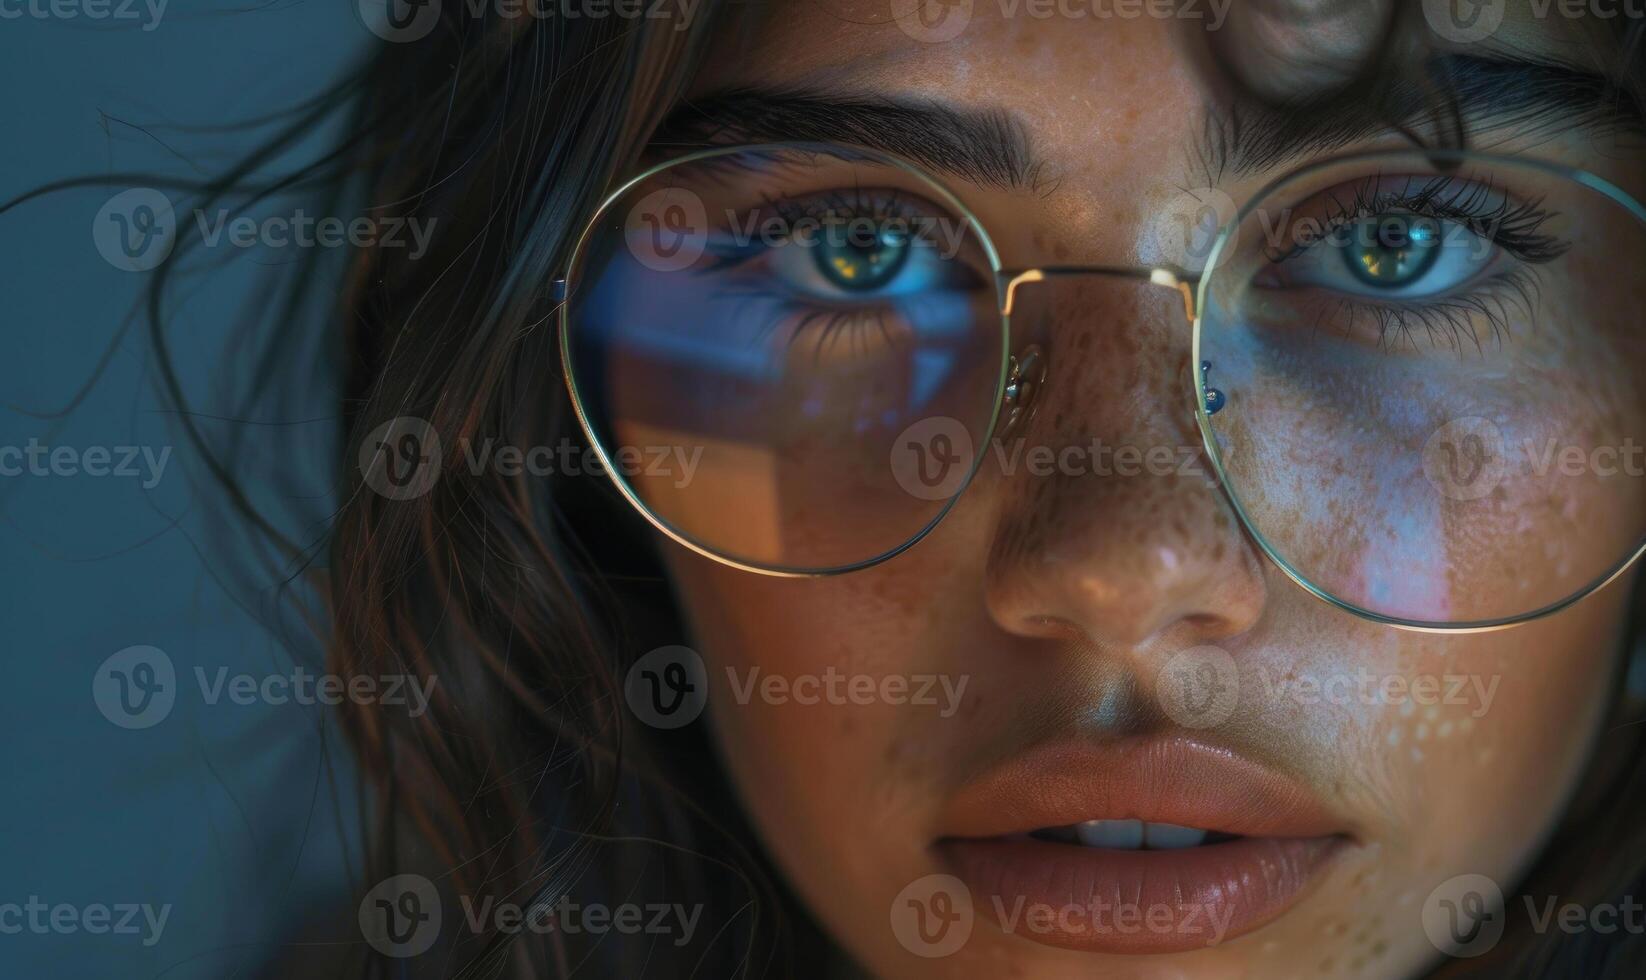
(1184, 283)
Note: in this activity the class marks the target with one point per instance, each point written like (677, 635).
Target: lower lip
(1111, 901)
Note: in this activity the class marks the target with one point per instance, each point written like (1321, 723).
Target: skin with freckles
(1061, 598)
(1512, 359)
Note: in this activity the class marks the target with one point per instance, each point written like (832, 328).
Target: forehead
(1119, 101)
(823, 39)
(1028, 52)
(1077, 85)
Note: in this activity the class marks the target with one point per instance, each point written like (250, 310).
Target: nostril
(1204, 623)
(1053, 628)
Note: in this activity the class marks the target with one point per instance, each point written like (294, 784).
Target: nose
(1110, 526)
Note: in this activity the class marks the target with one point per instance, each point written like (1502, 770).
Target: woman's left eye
(1394, 256)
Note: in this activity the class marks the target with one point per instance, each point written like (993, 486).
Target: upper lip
(1176, 779)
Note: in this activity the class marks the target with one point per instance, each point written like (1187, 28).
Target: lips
(1145, 846)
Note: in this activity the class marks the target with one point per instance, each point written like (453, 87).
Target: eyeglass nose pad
(1025, 376)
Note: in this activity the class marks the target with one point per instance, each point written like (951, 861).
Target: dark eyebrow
(988, 147)
(1458, 97)
(991, 147)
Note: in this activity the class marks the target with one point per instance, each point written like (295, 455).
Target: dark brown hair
(525, 599)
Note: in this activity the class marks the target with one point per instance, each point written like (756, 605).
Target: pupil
(1397, 251)
(861, 263)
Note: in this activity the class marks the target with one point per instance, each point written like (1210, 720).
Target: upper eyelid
(1478, 205)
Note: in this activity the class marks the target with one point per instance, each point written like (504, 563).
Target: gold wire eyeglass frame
(1008, 281)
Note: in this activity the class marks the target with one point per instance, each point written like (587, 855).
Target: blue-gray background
(221, 813)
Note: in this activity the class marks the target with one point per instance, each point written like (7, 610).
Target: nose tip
(1126, 539)
(1160, 593)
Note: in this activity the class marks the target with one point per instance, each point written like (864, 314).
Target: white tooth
(1169, 836)
(1117, 834)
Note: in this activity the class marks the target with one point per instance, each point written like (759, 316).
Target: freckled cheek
(819, 761)
(1428, 486)
(1489, 733)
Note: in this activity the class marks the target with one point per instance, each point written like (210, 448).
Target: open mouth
(1152, 846)
(1131, 835)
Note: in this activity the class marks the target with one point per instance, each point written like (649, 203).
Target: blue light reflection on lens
(724, 334)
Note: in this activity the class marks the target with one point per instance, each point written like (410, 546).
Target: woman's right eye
(864, 265)
(846, 269)
(844, 249)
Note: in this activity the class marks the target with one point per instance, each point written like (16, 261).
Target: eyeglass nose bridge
(1164, 276)
(1027, 368)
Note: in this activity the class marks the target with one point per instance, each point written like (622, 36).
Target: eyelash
(1512, 226)
(887, 205)
(1498, 300)
(825, 324)
(1478, 207)
(815, 210)
(1484, 211)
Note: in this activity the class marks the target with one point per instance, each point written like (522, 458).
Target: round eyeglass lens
(1427, 370)
(790, 356)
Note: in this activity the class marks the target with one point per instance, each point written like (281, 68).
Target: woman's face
(1026, 667)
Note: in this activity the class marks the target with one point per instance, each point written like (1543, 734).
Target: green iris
(862, 263)
(1394, 250)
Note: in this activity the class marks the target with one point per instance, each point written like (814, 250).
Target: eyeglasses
(1417, 386)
